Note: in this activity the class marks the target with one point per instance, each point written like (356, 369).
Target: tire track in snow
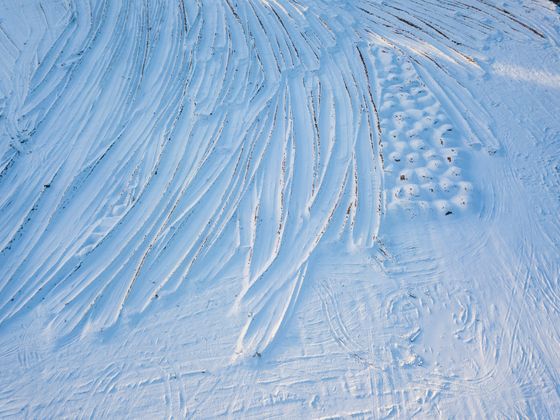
(161, 137)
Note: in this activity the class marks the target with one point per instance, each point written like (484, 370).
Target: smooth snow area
(279, 208)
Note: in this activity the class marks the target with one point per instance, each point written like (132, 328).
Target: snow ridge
(153, 151)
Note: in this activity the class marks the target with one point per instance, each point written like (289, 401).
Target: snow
(279, 208)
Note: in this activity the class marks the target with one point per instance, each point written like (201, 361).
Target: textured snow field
(279, 208)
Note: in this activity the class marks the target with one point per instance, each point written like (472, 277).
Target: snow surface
(295, 208)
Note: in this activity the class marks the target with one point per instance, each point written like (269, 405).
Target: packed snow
(279, 208)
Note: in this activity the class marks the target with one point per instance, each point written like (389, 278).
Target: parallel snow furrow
(149, 146)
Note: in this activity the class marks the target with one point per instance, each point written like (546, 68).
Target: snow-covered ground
(279, 208)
